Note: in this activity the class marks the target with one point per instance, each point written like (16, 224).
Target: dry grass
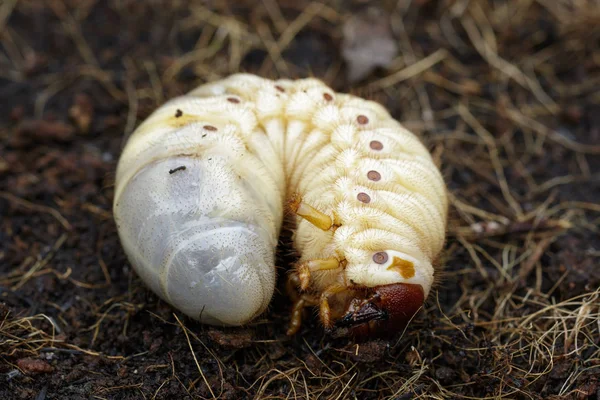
(504, 92)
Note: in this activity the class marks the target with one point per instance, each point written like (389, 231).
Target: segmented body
(371, 205)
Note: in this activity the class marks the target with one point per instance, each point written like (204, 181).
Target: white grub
(201, 187)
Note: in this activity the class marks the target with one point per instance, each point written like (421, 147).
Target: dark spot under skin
(172, 171)
(281, 89)
(364, 198)
(209, 128)
(178, 113)
(376, 145)
(233, 100)
(327, 97)
(362, 119)
(382, 311)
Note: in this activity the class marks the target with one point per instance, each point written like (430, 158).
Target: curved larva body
(370, 203)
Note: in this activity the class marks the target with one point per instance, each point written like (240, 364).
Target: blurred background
(505, 93)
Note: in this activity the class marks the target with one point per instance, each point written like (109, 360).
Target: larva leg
(306, 269)
(291, 284)
(324, 309)
(299, 301)
(296, 316)
(309, 213)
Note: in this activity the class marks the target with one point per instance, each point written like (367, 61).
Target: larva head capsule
(384, 310)
(386, 295)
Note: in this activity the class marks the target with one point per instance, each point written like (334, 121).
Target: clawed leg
(296, 317)
(306, 269)
(305, 300)
(301, 279)
(291, 285)
(324, 309)
(309, 213)
(299, 300)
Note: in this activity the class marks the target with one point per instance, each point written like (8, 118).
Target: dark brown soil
(505, 93)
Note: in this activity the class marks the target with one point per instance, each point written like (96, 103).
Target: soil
(506, 94)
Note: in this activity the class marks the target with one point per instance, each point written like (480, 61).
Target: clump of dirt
(505, 94)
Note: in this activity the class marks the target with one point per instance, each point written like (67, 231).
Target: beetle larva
(200, 190)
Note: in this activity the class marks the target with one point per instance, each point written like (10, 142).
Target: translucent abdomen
(194, 220)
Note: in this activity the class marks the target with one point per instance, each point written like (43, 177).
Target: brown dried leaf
(368, 43)
(34, 131)
(369, 352)
(34, 366)
(82, 112)
(237, 339)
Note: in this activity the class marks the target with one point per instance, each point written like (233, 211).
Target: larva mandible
(200, 193)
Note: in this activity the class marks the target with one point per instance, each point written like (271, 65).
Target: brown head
(382, 311)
